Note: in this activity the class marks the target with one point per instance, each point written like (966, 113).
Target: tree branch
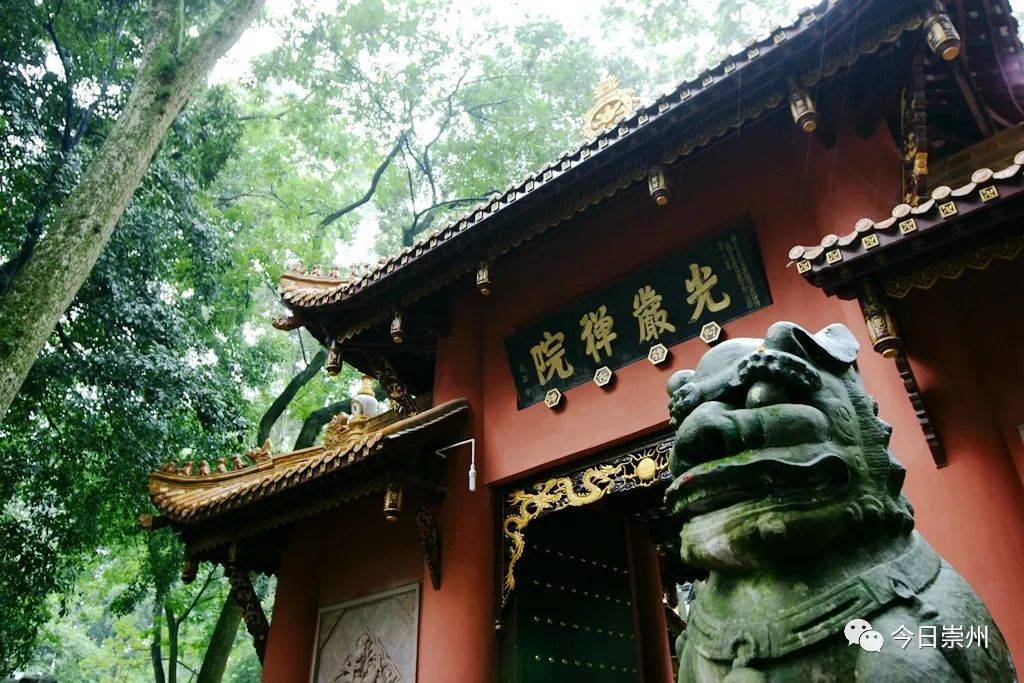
(195, 599)
(181, 663)
(316, 420)
(65, 62)
(278, 115)
(45, 284)
(69, 141)
(227, 199)
(104, 80)
(415, 228)
(203, 53)
(331, 217)
(218, 649)
(281, 402)
(156, 656)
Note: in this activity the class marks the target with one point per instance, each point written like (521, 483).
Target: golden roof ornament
(336, 434)
(612, 103)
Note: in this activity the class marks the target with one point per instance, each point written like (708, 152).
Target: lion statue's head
(779, 454)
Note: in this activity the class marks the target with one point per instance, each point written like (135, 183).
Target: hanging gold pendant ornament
(392, 501)
(397, 330)
(483, 279)
(801, 106)
(942, 37)
(885, 338)
(657, 185)
(334, 361)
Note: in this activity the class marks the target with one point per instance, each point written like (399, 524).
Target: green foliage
(162, 354)
(103, 635)
(149, 364)
(685, 36)
(475, 109)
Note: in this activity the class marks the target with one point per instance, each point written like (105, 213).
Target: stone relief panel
(369, 640)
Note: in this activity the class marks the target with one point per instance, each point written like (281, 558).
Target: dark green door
(572, 615)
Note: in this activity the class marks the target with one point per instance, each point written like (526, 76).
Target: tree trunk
(215, 660)
(172, 645)
(316, 420)
(47, 282)
(154, 648)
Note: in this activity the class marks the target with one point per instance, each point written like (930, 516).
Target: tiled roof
(842, 255)
(301, 291)
(187, 499)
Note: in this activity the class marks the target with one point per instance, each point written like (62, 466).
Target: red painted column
(293, 623)
(457, 641)
(648, 608)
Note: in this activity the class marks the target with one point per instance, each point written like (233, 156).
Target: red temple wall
(964, 341)
(336, 556)
(795, 191)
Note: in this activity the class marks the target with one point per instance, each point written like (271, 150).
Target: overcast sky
(578, 16)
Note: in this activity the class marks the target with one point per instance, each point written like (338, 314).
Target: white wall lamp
(472, 459)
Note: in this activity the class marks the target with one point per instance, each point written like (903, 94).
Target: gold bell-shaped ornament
(940, 33)
(397, 329)
(483, 278)
(657, 185)
(801, 106)
(392, 501)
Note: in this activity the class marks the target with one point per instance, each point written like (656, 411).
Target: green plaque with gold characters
(716, 280)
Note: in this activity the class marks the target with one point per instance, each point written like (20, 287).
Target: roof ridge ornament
(612, 104)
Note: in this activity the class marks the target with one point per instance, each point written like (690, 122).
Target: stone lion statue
(790, 499)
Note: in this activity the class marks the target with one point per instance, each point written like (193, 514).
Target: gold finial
(367, 388)
(612, 104)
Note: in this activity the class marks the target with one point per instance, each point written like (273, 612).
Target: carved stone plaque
(369, 640)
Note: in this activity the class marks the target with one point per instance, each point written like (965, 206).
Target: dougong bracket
(249, 604)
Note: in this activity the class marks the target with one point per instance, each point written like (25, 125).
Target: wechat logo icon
(859, 632)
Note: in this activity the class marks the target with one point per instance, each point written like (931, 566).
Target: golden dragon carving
(527, 504)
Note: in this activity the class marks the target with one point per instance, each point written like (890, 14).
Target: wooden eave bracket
(886, 340)
(913, 390)
(249, 604)
(430, 538)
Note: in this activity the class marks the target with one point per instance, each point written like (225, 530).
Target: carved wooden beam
(913, 390)
(149, 522)
(914, 124)
(249, 604)
(430, 537)
(382, 370)
(883, 96)
(288, 322)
